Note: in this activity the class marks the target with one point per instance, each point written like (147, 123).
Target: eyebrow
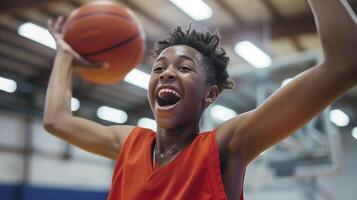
(181, 56)
(188, 58)
(160, 58)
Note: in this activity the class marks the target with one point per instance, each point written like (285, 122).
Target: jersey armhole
(121, 152)
(215, 174)
(216, 154)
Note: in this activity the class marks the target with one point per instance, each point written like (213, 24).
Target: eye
(184, 68)
(158, 69)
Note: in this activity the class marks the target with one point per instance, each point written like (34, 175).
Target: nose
(168, 75)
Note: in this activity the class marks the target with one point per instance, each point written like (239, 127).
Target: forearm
(336, 24)
(293, 105)
(59, 90)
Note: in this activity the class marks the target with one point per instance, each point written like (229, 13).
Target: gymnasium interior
(318, 162)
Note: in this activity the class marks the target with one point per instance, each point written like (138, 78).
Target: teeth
(162, 91)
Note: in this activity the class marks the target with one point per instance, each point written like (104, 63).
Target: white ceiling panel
(164, 11)
(291, 8)
(9, 21)
(310, 41)
(60, 8)
(220, 16)
(282, 47)
(250, 11)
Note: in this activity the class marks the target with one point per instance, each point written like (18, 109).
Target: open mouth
(167, 97)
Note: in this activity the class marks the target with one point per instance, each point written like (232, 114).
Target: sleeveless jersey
(194, 174)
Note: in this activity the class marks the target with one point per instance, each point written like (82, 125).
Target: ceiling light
(112, 114)
(75, 104)
(196, 9)
(37, 34)
(252, 54)
(138, 78)
(147, 123)
(7, 85)
(220, 113)
(339, 118)
(354, 132)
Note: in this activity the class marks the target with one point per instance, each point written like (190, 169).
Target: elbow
(48, 125)
(48, 121)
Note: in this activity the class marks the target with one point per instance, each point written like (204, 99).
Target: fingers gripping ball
(104, 31)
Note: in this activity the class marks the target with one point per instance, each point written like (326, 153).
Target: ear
(212, 93)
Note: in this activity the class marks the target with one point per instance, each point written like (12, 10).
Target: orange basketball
(104, 31)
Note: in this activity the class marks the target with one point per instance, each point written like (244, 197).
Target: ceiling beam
(285, 28)
(279, 29)
(278, 18)
(298, 46)
(273, 10)
(15, 5)
(146, 14)
(239, 22)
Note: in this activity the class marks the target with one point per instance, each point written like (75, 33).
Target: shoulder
(229, 132)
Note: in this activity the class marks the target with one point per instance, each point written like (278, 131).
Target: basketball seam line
(112, 47)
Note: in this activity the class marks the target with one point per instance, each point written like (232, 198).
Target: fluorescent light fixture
(138, 78)
(252, 54)
(196, 9)
(37, 34)
(339, 118)
(7, 85)
(75, 104)
(286, 81)
(354, 132)
(112, 114)
(220, 113)
(147, 123)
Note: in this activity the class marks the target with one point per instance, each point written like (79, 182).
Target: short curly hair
(208, 44)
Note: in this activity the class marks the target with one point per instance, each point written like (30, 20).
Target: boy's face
(177, 88)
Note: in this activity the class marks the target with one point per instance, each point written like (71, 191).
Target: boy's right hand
(56, 30)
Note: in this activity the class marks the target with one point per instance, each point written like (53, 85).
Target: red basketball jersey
(192, 174)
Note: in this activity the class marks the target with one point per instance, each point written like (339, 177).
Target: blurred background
(269, 42)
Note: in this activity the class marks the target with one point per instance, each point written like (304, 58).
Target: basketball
(104, 31)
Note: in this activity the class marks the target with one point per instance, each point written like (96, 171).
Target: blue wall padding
(10, 192)
(17, 192)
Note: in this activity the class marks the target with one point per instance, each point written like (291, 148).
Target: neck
(177, 138)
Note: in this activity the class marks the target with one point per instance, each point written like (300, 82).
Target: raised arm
(58, 118)
(293, 105)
